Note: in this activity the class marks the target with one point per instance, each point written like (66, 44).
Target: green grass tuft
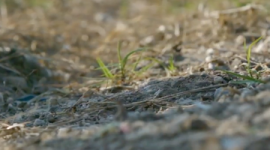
(122, 65)
(250, 77)
(123, 62)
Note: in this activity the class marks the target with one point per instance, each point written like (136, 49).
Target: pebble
(39, 122)
(246, 92)
(218, 80)
(221, 92)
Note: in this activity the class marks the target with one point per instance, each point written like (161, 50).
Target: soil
(176, 93)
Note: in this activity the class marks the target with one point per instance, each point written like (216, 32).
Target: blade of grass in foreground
(123, 61)
(104, 68)
(171, 64)
(129, 54)
(242, 82)
(249, 55)
(248, 78)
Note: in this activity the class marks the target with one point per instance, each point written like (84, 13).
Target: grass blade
(244, 77)
(242, 82)
(171, 66)
(129, 54)
(249, 55)
(120, 60)
(123, 62)
(144, 69)
(107, 73)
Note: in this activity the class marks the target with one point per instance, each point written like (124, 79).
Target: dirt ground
(176, 93)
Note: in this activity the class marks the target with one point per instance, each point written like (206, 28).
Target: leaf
(244, 77)
(249, 55)
(242, 82)
(107, 73)
(171, 65)
(144, 69)
(129, 54)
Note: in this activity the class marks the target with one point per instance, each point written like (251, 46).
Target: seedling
(171, 66)
(248, 52)
(247, 78)
(122, 63)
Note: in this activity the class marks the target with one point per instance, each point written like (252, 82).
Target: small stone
(51, 118)
(236, 63)
(103, 17)
(210, 51)
(39, 122)
(161, 28)
(246, 93)
(239, 40)
(208, 59)
(218, 80)
(63, 132)
(171, 110)
(211, 66)
(220, 92)
(198, 125)
(148, 40)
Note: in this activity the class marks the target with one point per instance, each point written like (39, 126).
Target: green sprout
(171, 66)
(247, 78)
(122, 64)
(107, 73)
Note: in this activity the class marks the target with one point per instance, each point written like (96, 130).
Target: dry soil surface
(176, 93)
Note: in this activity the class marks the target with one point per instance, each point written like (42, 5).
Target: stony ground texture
(174, 94)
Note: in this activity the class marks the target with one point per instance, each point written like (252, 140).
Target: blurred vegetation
(14, 5)
(169, 6)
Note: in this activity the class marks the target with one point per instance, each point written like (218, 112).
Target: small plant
(122, 74)
(250, 77)
(138, 72)
(123, 61)
(248, 53)
(121, 68)
(171, 66)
